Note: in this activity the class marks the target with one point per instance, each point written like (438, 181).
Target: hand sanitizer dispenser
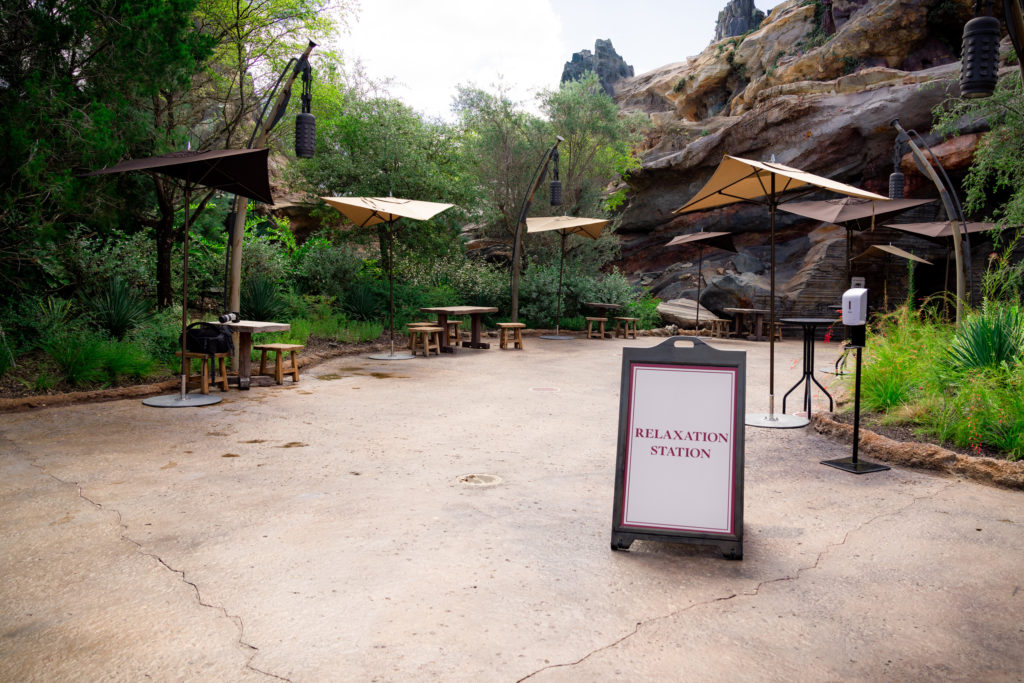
(855, 313)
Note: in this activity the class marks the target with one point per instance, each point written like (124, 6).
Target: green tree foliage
(995, 181)
(504, 145)
(74, 73)
(371, 145)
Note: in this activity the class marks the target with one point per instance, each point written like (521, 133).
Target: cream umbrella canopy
(567, 225)
(761, 182)
(367, 211)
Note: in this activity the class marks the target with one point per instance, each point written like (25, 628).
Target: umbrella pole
(700, 273)
(561, 267)
(771, 310)
(184, 296)
(391, 282)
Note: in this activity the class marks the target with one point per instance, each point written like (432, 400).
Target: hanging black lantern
(979, 67)
(556, 184)
(305, 122)
(897, 183)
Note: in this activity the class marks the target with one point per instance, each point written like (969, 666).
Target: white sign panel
(681, 448)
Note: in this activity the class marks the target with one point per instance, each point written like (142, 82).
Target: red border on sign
(732, 462)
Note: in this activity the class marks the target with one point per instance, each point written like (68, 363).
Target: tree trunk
(164, 241)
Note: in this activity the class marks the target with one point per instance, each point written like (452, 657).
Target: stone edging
(928, 456)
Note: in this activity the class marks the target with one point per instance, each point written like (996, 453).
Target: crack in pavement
(181, 573)
(753, 593)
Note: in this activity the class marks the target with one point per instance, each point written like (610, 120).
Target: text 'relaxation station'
(679, 450)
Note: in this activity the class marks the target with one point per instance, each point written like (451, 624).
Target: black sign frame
(700, 357)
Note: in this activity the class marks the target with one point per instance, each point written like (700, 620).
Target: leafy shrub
(260, 298)
(84, 259)
(363, 301)
(646, 309)
(116, 308)
(160, 335)
(989, 339)
(263, 258)
(325, 268)
(122, 358)
(78, 355)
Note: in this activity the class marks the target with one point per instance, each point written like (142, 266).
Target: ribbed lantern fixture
(556, 184)
(305, 122)
(979, 67)
(897, 182)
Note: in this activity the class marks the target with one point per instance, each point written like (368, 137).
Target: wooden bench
(426, 336)
(625, 325)
(517, 335)
(590, 326)
(279, 370)
(203, 379)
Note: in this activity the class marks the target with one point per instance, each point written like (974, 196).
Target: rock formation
(738, 17)
(819, 101)
(604, 61)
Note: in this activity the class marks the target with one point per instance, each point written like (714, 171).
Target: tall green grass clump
(902, 358)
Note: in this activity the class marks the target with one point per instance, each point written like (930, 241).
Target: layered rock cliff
(815, 86)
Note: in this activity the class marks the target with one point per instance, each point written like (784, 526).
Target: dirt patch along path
(328, 531)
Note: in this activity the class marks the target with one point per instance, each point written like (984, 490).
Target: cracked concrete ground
(321, 532)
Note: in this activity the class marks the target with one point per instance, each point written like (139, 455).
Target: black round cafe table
(808, 325)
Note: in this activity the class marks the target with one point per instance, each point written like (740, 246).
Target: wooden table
(741, 315)
(245, 330)
(603, 308)
(474, 312)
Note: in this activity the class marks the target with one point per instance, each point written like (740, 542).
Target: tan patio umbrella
(895, 251)
(853, 213)
(567, 225)
(940, 229)
(722, 240)
(367, 211)
(761, 182)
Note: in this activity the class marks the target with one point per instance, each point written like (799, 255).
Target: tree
(74, 72)
(504, 144)
(371, 145)
(219, 108)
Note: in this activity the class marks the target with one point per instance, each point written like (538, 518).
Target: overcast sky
(428, 47)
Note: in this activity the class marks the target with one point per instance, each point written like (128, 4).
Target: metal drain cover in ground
(479, 480)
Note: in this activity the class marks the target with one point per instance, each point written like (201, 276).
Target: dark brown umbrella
(239, 171)
(721, 240)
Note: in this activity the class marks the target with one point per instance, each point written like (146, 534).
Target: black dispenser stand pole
(857, 334)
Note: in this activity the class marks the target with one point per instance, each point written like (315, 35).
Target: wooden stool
(517, 331)
(626, 325)
(202, 380)
(279, 370)
(452, 336)
(590, 326)
(719, 328)
(427, 337)
(412, 339)
(778, 331)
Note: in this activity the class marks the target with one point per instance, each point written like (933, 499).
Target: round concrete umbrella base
(556, 337)
(179, 401)
(391, 356)
(776, 421)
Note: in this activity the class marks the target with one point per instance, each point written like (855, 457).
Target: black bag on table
(208, 339)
